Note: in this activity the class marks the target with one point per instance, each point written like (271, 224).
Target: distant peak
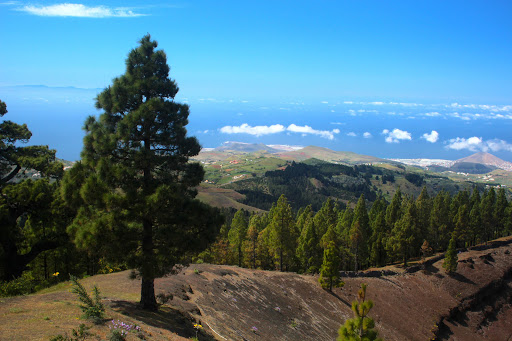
(487, 159)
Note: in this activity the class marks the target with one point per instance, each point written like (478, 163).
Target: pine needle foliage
(92, 307)
(360, 328)
(450, 258)
(329, 273)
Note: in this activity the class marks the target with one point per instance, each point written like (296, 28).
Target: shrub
(361, 327)
(91, 307)
(19, 286)
(77, 335)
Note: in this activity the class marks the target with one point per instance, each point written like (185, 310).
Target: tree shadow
(332, 293)
(430, 269)
(461, 278)
(165, 318)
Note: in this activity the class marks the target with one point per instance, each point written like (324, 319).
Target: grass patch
(17, 310)
(56, 288)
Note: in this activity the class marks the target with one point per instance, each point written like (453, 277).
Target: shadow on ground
(165, 318)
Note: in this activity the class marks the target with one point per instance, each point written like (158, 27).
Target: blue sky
(296, 72)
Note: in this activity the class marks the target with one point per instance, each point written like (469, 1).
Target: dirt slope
(428, 304)
(421, 304)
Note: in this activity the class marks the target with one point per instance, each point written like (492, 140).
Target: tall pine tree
(281, 232)
(237, 234)
(329, 272)
(450, 258)
(360, 243)
(138, 197)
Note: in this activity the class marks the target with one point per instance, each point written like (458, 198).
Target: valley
(248, 170)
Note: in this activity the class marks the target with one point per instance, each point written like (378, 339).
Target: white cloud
(432, 137)
(352, 134)
(278, 128)
(338, 123)
(396, 135)
(432, 114)
(475, 144)
(367, 135)
(80, 10)
(308, 130)
(256, 131)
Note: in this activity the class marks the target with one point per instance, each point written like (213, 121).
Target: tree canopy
(24, 203)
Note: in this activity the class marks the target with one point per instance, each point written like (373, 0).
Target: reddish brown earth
(473, 304)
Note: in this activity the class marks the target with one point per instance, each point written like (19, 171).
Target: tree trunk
(254, 255)
(355, 257)
(281, 260)
(147, 290)
(147, 294)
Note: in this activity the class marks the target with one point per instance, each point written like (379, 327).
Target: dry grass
(55, 311)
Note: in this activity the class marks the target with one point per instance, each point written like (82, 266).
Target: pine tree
(404, 236)
(281, 232)
(329, 273)
(138, 197)
(378, 251)
(251, 242)
(424, 207)
(378, 206)
(302, 216)
(361, 327)
(345, 223)
(394, 210)
(237, 234)
(343, 230)
(475, 219)
(439, 221)
(309, 251)
(488, 207)
(508, 220)
(26, 228)
(264, 250)
(499, 213)
(360, 243)
(475, 198)
(327, 216)
(462, 224)
(356, 240)
(450, 258)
